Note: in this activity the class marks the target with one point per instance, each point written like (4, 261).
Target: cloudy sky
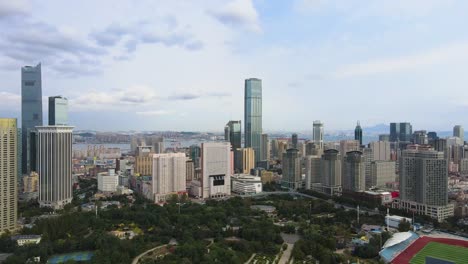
(181, 65)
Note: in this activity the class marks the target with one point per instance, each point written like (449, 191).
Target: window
(29, 83)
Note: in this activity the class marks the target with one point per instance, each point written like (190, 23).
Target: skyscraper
(169, 175)
(358, 133)
(380, 150)
(400, 132)
(8, 174)
(420, 137)
(253, 116)
(245, 161)
(312, 170)
(459, 132)
(317, 134)
(58, 111)
(31, 110)
(424, 180)
(294, 141)
(233, 135)
(216, 170)
(354, 176)
(291, 170)
(331, 171)
(265, 147)
(54, 165)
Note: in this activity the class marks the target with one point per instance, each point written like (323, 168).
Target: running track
(413, 249)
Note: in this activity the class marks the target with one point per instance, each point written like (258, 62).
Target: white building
(22, 240)
(394, 221)
(216, 163)
(169, 175)
(246, 184)
(54, 165)
(108, 181)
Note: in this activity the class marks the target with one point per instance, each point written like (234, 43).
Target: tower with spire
(358, 133)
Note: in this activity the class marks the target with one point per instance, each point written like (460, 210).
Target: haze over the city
(181, 65)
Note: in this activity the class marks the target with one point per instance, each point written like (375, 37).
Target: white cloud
(153, 113)
(440, 55)
(239, 13)
(13, 7)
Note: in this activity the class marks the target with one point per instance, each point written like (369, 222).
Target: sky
(181, 65)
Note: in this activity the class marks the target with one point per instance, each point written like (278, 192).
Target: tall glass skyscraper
(234, 134)
(253, 116)
(31, 110)
(58, 111)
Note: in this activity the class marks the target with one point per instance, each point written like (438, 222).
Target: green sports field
(456, 254)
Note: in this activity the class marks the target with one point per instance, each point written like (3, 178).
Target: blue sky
(180, 65)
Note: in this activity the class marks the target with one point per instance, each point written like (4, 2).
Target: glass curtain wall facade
(253, 116)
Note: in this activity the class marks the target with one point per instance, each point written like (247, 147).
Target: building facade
(108, 181)
(330, 167)
(58, 111)
(265, 147)
(358, 133)
(354, 173)
(245, 160)
(216, 170)
(380, 150)
(253, 116)
(401, 132)
(459, 132)
(31, 111)
(54, 165)
(312, 170)
(8, 174)
(317, 134)
(291, 170)
(169, 175)
(245, 184)
(382, 172)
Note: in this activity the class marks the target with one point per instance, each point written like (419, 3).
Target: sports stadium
(409, 247)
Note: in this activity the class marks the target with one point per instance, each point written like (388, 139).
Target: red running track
(406, 255)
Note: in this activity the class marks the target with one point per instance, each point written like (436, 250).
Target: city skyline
(359, 50)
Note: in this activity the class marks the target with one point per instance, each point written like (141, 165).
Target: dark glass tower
(401, 132)
(253, 116)
(358, 133)
(58, 111)
(31, 111)
(234, 134)
(294, 141)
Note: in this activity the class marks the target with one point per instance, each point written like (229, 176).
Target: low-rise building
(246, 184)
(108, 181)
(22, 240)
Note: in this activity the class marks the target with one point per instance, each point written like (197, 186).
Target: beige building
(144, 161)
(31, 183)
(169, 175)
(312, 170)
(8, 174)
(382, 172)
(380, 150)
(267, 176)
(190, 170)
(246, 160)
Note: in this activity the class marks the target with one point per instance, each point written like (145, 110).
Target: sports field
(456, 254)
(76, 256)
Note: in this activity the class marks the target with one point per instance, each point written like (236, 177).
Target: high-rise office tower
(234, 135)
(317, 134)
(31, 111)
(8, 174)
(348, 145)
(294, 141)
(420, 137)
(380, 150)
(424, 177)
(400, 132)
(331, 171)
(367, 158)
(245, 161)
(265, 147)
(354, 176)
(169, 175)
(58, 111)
(312, 170)
(144, 161)
(216, 169)
(432, 135)
(291, 170)
(382, 172)
(358, 133)
(253, 116)
(459, 132)
(384, 137)
(54, 165)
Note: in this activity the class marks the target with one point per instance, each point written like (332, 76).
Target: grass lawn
(456, 254)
